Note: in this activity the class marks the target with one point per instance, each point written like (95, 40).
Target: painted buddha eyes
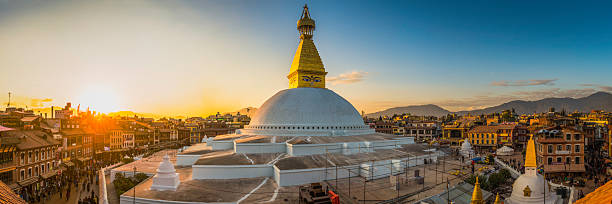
(311, 78)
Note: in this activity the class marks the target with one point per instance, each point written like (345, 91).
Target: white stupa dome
(537, 187)
(466, 149)
(307, 111)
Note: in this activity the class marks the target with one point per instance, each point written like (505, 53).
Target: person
(68, 194)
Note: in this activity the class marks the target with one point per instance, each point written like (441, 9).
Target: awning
(84, 159)
(29, 181)
(49, 174)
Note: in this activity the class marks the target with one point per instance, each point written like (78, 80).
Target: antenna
(9, 102)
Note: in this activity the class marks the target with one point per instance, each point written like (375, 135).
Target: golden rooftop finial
(497, 200)
(477, 194)
(307, 68)
(530, 154)
(305, 25)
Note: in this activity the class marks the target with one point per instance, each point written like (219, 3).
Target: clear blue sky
(457, 54)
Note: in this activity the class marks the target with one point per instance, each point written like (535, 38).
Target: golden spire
(477, 194)
(307, 68)
(497, 200)
(530, 155)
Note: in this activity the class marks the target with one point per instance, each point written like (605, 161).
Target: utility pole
(349, 182)
(9, 102)
(134, 186)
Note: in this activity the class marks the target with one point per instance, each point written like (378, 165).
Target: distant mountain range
(596, 101)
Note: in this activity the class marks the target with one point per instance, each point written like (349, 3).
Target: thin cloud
(531, 82)
(599, 86)
(348, 78)
(38, 102)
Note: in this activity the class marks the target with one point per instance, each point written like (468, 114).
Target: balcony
(555, 168)
(563, 152)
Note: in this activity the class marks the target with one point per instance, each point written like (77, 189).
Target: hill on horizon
(597, 101)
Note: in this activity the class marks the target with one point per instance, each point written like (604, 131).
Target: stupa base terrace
(235, 162)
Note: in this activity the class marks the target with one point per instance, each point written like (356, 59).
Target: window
(568, 160)
(577, 160)
(22, 160)
(577, 136)
(568, 136)
(559, 147)
(550, 148)
(577, 149)
(558, 159)
(22, 175)
(568, 147)
(29, 172)
(29, 157)
(42, 168)
(549, 160)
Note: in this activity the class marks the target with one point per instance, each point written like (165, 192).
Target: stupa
(166, 177)
(531, 187)
(301, 135)
(466, 149)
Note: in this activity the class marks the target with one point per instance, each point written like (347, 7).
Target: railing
(515, 174)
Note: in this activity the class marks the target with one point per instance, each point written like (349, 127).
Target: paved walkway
(75, 195)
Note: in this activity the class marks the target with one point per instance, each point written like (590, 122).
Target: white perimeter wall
(186, 160)
(222, 145)
(312, 149)
(231, 171)
(346, 148)
(129, 200)
(251, 148)
(304, 176)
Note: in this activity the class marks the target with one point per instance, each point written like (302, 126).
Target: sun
(98, 98)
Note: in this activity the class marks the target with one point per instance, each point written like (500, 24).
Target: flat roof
(149, 164)
(340, 159)
(209, 190)
(239, 159)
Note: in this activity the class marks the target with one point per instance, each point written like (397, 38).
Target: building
(8, 152)
(422, 130)
(561, 151)
(484, 136)
(36, 159)
(116, 139)
(494, 136)
(456, 131)
(383, 126)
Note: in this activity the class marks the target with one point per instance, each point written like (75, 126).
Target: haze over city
(200, 57)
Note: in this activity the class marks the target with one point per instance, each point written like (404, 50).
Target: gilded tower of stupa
(307, 68)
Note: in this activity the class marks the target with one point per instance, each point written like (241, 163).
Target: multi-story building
(456, 131)
(36, 158)
(8, 152)
(484, 136)
(194, 134)
(116, 139)
(382, 126)
(72, 144)
(422, 130)
(129, 139)
(561, 150)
